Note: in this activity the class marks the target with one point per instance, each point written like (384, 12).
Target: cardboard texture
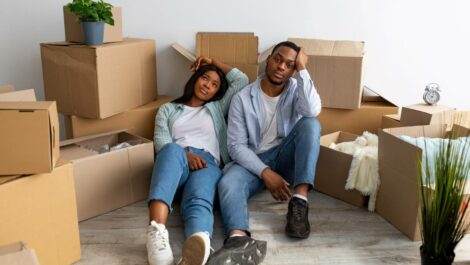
(462, 118)
(40, 210)
(367, 118)
(139, 121)
(74, 32)
(423, 114)
(333, 170)
(29, 137)
(99, 81)
(391, 121)
(17, 254)
(398, 197)
(6, 88)
(20, 95)
(107, 181)
(238, 50)
(336, 70)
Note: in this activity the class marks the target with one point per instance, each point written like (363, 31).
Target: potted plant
(443, 173)
(92, 16)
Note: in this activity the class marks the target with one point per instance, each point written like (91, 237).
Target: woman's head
(207, 84)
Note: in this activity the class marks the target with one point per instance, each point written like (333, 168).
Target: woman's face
(207, 86)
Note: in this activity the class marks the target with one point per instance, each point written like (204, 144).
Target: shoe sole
(297, 235)
(193, 252)
(251, 254)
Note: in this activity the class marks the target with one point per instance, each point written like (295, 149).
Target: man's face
(280, 65)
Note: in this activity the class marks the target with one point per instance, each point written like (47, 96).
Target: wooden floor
(341, 234)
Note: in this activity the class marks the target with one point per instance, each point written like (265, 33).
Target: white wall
(408, 43)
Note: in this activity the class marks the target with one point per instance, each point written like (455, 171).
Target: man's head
(280, 65)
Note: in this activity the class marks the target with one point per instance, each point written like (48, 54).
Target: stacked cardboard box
(8, 93)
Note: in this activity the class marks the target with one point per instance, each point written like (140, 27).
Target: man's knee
(309, 125)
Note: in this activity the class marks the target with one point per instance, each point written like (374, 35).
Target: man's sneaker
(158, 245)
(196, 249)
(241, 250)
(297, 218)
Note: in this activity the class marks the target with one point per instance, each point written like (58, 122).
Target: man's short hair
(288, 44)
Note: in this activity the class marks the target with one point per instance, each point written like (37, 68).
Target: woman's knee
(171, 148)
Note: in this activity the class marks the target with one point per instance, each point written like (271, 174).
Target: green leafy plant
(443, 202)
(91, 11)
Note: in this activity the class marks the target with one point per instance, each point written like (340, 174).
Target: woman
(190, 139)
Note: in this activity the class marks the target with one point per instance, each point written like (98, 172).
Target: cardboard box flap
(5, 179)
(183, 51)
(13, 247)
(434, 131)
(431, 109)
(395, 117)
(228, 47)
(20, 95)
(85, 138)
(331, 48)
(337, 137)
(370, 95)
(6, 88)
(17, 105)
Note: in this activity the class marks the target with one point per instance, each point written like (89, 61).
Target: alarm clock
(431, 94)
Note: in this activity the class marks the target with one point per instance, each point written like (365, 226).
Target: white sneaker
(196, 249)
(158, 245)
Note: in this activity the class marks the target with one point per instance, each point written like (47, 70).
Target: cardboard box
(6, 88)
(74, 32)
(99, 81)
(398, 197)
(110, 180)
(17, 254)
(336, 70)
(29, 137)
(140, 121)
(333, 170)
(462, 118)
(423, 114)
(21, 95)
(238, 50)
(367, 118)
(40, 210)
(391, 121)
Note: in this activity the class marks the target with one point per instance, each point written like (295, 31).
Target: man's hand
(301, 60)
(195, 162)
(278, 187)
(200, 61)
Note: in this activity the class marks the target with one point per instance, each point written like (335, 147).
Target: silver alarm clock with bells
(431, 94)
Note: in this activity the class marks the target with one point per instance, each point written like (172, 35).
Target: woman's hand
(200, 61)
(195, 162)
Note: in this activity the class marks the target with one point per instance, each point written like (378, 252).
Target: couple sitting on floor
(272, 141)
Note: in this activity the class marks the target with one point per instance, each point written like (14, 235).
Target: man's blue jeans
(171, 173)
(294, 159)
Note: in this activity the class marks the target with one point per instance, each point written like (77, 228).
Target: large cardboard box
(236, 49)
(29, 137)
(74, 32)
(336, 70)
(139, 121)
(17, 254)
(423, 114)
(8, 93)
(99, 81)
(391, 121)
(398, 197)
(333, 169)
(40, 210)
(110, 180)
(367, 118)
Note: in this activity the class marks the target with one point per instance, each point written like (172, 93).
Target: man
(274, 141)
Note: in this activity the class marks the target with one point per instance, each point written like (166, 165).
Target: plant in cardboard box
(443, 172)
(92, 16)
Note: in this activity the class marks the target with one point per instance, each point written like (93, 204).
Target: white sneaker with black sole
(196, 249)
(158, 245)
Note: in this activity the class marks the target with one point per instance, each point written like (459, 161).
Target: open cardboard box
(391, 121)
(333, 170)
(17, 254)
(423, 114)
(140, 121)
(99, 81)
(398, 197)
(236, 49)
(29, 137)
(74, 32)
(110, 180)
(8, 93)
(40, 210)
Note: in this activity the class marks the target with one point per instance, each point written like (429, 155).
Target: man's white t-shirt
(270, 138)
(195, 128)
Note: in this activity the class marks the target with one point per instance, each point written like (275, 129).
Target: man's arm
(307, 101)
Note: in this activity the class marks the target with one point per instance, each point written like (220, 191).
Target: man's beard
(274, 82)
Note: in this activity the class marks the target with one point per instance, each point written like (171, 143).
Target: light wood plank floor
(341, 234)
